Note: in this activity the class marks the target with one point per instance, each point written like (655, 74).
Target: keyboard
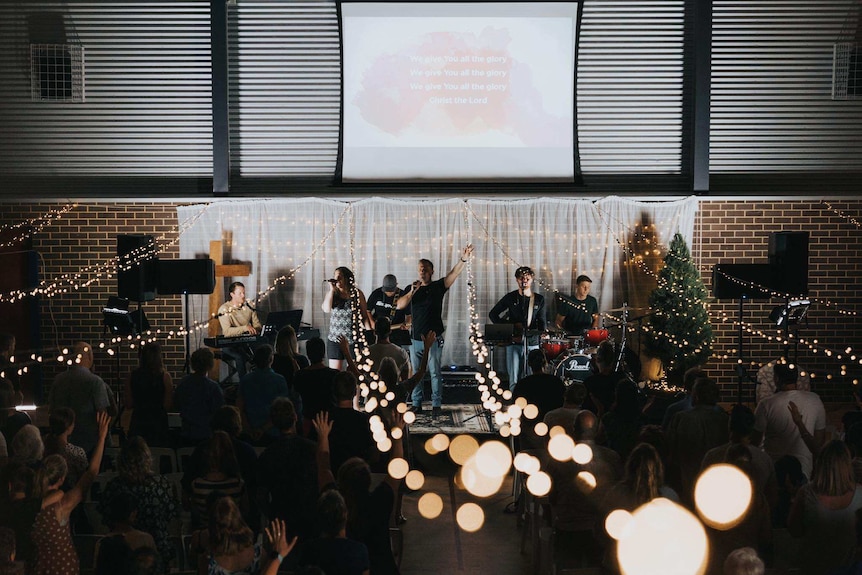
(221, 341)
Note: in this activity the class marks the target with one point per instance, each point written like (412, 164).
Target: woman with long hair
(823, 513)
(349, 314)
(61, 423)
(157, 505)
(51, 535)
(227, 545)
(221, 474)
(149, 392)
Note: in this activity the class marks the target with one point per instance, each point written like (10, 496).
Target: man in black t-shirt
(426, 299)
(582, 311)
(383, 302)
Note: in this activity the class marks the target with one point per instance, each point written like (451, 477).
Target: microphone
(332, 281)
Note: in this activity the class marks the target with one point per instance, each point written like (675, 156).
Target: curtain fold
(559, 238)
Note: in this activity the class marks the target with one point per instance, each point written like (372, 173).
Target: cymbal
(624, 309)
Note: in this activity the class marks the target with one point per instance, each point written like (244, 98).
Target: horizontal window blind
(630, 86)
(771, 102)
(285, 88)
(147, 109)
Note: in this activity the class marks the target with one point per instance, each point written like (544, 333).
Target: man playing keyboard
(238, 318)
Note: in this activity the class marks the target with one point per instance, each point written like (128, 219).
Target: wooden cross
(217, 298)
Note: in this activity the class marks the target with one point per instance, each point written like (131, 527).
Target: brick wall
(726, 231)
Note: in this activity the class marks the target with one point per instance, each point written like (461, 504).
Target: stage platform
(454, 419)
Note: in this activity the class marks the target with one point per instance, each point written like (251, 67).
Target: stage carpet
(454, 419)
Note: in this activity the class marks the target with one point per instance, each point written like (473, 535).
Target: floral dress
(55, 552)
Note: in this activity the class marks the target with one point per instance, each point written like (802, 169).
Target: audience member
(351, 432)
(220, 475)
(287, 361)
(544, 390)
(744, 561)
(8, 372)
(121, 518)
(622, 422)
(684, 404)
(791, 422)
(564, 416)
(823, 514)
(332, 551)
(789, 477)
(20, 509)
(8, 565)
(27, 445)
(149, 392)
(229, 543)
(753, 529)
(51, 535)
(112, 555)
(197, 398)
(257, 390)
(694, 432)
(601, 386)
(741, 426)
(369, 511)
(153, 493)
(577, 491)
(85, 393)
(316, 384)
(61, 422)
(287, 474)
(385, 348)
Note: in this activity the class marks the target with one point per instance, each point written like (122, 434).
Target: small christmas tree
(678, 332)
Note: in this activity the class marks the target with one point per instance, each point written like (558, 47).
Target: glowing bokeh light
(539, 483)
(586, 481)
(476, 480)
(531, 411)
(541, 429)
(722, 495)
(561, 446)
(462, 448)
(430, 506)
(556, 430)
(398, 468)
(470, 517)
(440, 442)
(616, 522)
(415, 479)
(494, 458)
(409, 417)
(582, 453)
(662, 537)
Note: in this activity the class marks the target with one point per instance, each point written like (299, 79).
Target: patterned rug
(454, 419)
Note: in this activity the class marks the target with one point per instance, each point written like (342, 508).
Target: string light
(34, 225)
(850, 219)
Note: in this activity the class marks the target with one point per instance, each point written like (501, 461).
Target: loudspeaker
(788, 253)
(726, 288)
(196, 276)
(136, 282)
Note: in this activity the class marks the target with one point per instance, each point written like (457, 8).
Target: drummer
(525, 309)
(581, 312)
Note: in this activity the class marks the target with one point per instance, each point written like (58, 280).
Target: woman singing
(346, 304)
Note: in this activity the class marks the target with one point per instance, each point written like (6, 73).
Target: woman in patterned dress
(343, 301)
(51, 535)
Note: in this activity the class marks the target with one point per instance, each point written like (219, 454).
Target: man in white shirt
(791, 422)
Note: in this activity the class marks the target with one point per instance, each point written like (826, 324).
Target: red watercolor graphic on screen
(451, 84)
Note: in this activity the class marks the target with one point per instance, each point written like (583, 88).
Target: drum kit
(571, 355)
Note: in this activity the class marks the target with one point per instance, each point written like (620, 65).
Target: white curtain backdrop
(559, 238)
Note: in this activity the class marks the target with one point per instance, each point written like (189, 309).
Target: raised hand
(322, 424)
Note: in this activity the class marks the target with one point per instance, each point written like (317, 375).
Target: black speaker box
(136, 282)
(196, 276)
(726, 288)
(788, 253)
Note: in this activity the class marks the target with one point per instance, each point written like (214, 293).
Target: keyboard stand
(231, 368)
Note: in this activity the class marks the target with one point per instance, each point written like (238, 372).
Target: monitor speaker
(136, 282)
(195, 276)
(788, 253)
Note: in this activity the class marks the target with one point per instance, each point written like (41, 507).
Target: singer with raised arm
(426, 298)
(525, 310)
(581, 312)
(238, 318)
(341, 301)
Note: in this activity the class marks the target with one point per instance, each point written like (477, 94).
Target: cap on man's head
(390, 282)
(524, 270)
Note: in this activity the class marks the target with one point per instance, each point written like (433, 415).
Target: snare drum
(594, 337)
(574, 367)
(554, 347)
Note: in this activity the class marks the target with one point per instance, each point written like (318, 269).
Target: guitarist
(525, 309)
